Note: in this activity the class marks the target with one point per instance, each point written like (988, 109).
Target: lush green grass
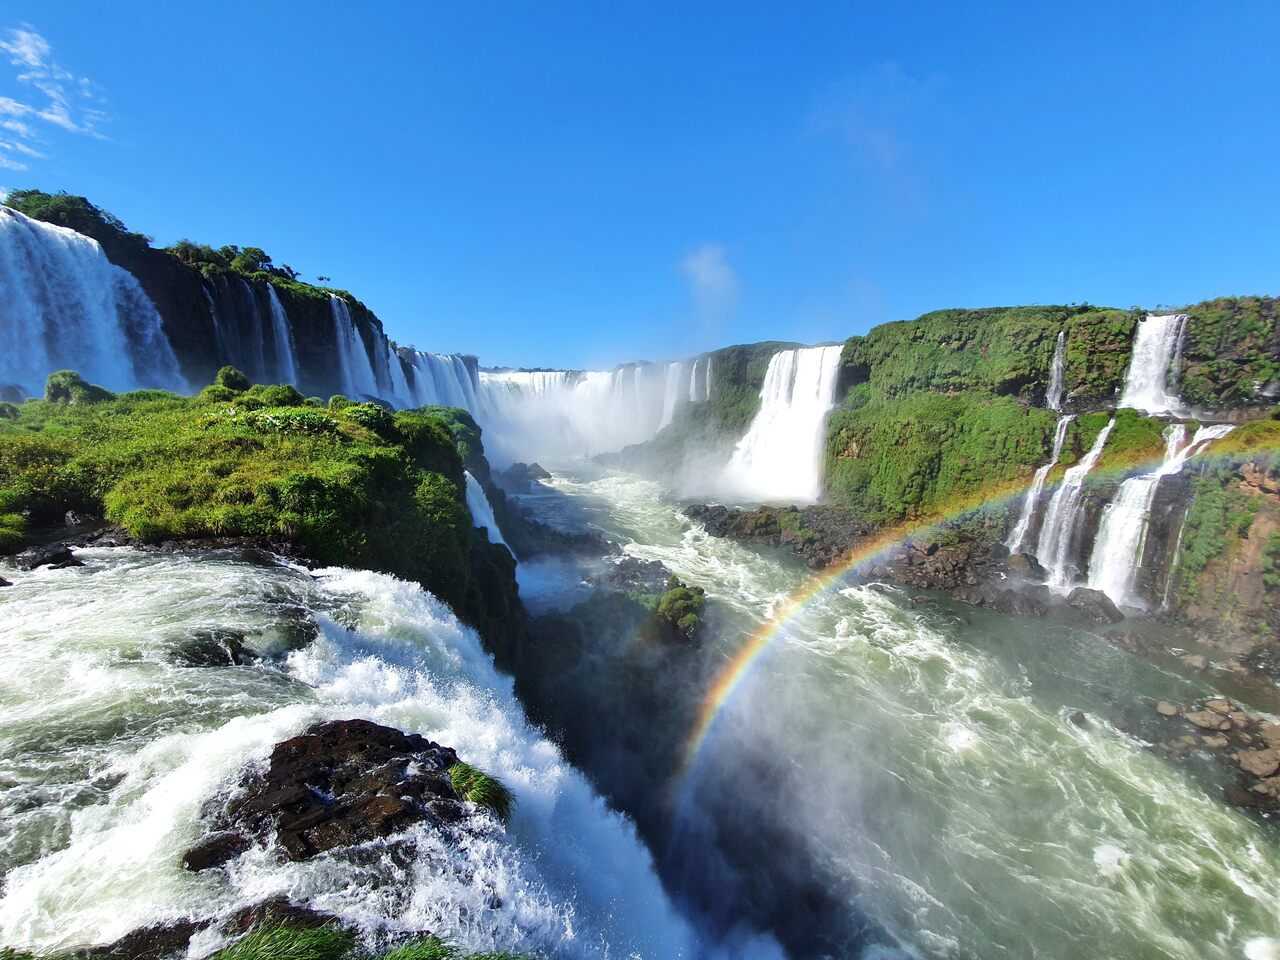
(286, 942)
(357, 486)
(479, 788)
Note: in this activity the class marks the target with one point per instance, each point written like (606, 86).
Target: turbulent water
(109, 745)
(922, 770)
(780, 456)
(63, 304)
(1151, 382)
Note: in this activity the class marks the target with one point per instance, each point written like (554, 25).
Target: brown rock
(1196, 662)
(1215, 741)
(1207, 720)
(1260, 763)
(1270, 732)
(1240, 720)
(1166, 709)
(1268, 788)
(215, 850)
(1219, 706)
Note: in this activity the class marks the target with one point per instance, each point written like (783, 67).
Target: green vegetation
(479, 788)
(67, 386)
(1230, 351)
(1219, 515)
(77, 213)
(358, 486)
(1134, 441)
(918, 454)
(286, 942)
(681, 608)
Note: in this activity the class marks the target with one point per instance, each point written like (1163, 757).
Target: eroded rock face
(341, 783)
(1094, 606)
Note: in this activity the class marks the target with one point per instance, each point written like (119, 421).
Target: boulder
(54, 555)
(1025, 565)
(1196, 662)
(1215, 741)
(1020, 603)
(1259, 763)
(1269, 788)
(1166, 709)
(1218, 706)
(1208, 720)
(215, 850)
(5, 583)
(340, 783)
(632, 574)
(1094, 606)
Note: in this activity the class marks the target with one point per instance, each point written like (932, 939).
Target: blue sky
(577, 185)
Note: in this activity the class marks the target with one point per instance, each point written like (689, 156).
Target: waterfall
(482, 511)
(1057, 530)
(706, 390)
(1053, 396)
(445, 380)
(780, 456)
(403, 396)
(671, 393)
(286, 360)
(1031, 500)
(1122, 532)
(64, 305)
(1157, 345)
(353, 359)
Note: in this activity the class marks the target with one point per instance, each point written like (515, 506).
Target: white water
(286, 362)
(64, 305)
(482, 511)
(780, 456)
(1122, 531)
(924, 763)
(1057, 374)
(1057, 530)
(353, 359)
(108, 750)
(1157, 344)
(1032, 498)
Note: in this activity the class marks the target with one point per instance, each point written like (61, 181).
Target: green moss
(681, 607)
(1219, 515)
(1134, 441)
(1229, 351)
(479, 788)
(231, 379)
(67, 386)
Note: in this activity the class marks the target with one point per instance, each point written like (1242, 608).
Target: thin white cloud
(879, 111)
(711, 279)
(59, 98)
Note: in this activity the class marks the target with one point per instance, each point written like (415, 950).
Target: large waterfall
(780, 456)
(1057, 374)
(1151, 382)
(63, 304)
(1032, 498)
(358, 378)
(1122, 533)
(1057, 530)
(286, 361)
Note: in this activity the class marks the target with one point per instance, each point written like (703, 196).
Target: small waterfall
(1057, 530)
(1122, 532)
(482, 511)
(401, 395)
(693, 382)
(353, 359)
(286, 358)
(1053, 396)
(706, 379)
(671, 393)
(1032, 499)
(1157, 346)
(63, 304)
(780, 456)
(254, 363)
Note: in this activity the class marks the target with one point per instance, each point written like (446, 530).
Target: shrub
(286, 942)
(67, 386)
(216, 393)
(232, 379)
(339, 402)
(275, 395)
(476, 787)
(8, 411)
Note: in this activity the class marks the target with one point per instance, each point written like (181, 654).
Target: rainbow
(731, 676)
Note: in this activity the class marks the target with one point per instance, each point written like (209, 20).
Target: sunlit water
(930, 762)
(109, 746)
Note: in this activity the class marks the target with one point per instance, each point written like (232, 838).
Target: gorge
(958, 638)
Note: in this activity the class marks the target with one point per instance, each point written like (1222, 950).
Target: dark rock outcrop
(54, 555)
(1094, 606)
(819, 534)
(520, 477)
(341, 783)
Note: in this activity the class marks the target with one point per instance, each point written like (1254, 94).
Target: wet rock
(634, 574)
(1121, 724)
(1020, 603)
(147, 943)
(1215, 741)
(1240, 721)
(342, 783)
(74, 518)
(215, 850)
(5, 583)
(1093, 606)
(1025, 565)
(1238, 796)
(1077, 718)
(1208, 720)
(215, 648)
(1259, 763)
(54, 555)
(1270, 733)
(1196, 662)
(1218, 706)
(1166, 709)
(1269, 788)
(520, 477)
(275, 912)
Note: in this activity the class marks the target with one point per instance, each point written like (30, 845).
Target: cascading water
(1057, 530)
(358, 377)
(675, 386)
(64, 305)
(286, 360)
(482, 511)
(1157, 345)
(1122, 532)
(110, 745)
(1057, 374)
(445, 380)
(1032, 499)
(779, 458)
